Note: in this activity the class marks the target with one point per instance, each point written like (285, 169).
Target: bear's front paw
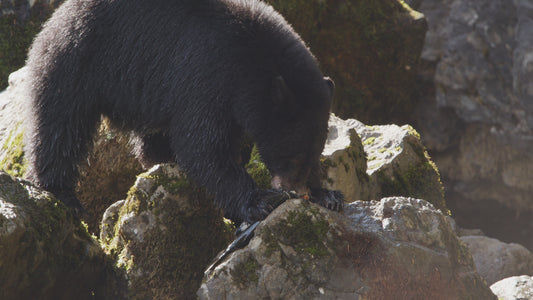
(333, 200)
(265, 201)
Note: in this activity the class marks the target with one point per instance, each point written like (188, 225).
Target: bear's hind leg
(58, 141)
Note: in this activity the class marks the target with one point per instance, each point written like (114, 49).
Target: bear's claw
(333, 200)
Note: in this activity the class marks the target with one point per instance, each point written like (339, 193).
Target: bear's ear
(331, 86)
(282, 97)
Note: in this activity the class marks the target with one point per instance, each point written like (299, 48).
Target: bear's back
(121, 41)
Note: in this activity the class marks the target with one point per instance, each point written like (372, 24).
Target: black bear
(188, 78)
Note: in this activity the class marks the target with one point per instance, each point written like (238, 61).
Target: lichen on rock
(372, 162)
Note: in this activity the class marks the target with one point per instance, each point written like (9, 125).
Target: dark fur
(189, 78)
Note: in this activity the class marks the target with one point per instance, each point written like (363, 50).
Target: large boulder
(475, 115)
(496, 260)
(45, 253)
(396, 248)
(164, 235)
(372, 162)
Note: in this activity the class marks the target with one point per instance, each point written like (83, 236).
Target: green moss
(172, 184)
(137, 201)
(305, 231)
(420, 181)
(13, 162)
(258, 170)
(171, 258)
(271, 242)
(246, 272)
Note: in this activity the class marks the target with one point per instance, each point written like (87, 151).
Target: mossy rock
(415, 176)
(304, 251)
(12, 152)
(46, 253)
(165, 234)
(396, 163)
(371, 50)
(107, 174)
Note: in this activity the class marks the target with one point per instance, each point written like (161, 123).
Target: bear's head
(298, 132)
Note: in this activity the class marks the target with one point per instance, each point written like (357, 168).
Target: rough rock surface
(45, 253)
(105, 176)
(164, 235)
(476, 112)
(372, 162)
(396, 248)
(496, 260)
(514, 288)
(12, 102)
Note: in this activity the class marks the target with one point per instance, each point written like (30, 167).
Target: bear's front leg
(215, 168)
(333, 200)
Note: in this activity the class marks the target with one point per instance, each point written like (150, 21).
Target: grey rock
(475, 117)
(303, 251)
(372, 162)
(496, 260)
(514, 288)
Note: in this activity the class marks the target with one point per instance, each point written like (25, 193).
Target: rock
(344, 160)
(485, 72)
(496, 260)
(105, 176)
(12, 103)
(396, 248)
(45, 253)
(107, 173)
(164, 235)
(398, 164)
(364, 46)
(514, 288)
(475, 115)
